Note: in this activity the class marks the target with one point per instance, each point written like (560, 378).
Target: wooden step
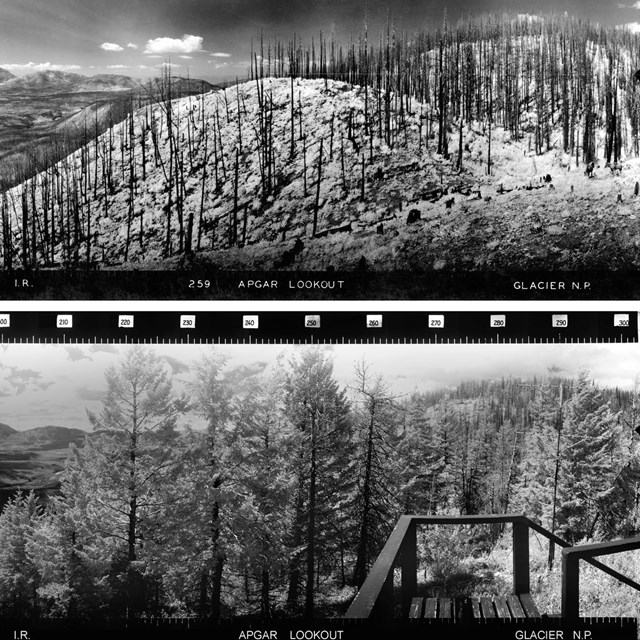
(431, 608)
(512, 607)
(486, 605)
(529, 605)
(516, 608)
(415, 611)
(502, 609)
(445, 606)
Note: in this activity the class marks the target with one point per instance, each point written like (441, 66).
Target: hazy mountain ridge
(42, 439)
(5, 75)
(6, 431)
(65, 82)
(43, 112)
(31, 459)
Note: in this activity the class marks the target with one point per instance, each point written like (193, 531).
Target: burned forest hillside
(509, 142)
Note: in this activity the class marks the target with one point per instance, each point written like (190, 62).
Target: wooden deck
(511, 607)
(379, 598)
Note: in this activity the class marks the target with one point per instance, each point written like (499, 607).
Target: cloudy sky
(55, 385)
(210, 39)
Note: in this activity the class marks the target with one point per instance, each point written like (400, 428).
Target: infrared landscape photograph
(251, 484)
(441, 138)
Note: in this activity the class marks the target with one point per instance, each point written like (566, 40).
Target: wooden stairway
(510, 607)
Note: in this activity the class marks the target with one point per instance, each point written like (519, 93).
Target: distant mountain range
(40, 109)
(38, 439)
(64, 82)
(31, 459)
(68, 82)
(5, 75)
(5, 431)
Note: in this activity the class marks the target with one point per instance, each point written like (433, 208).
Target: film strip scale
(275, 327)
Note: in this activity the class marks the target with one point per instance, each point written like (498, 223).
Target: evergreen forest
(269, 495)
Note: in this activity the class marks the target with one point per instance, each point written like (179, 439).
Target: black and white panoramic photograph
(194, 485)
(406, 144)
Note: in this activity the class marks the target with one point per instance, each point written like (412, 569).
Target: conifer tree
(115, 485)
(19, 579)
(211, 476)
(318, 409)
(375, 436)
(589, 461)
(264, 443)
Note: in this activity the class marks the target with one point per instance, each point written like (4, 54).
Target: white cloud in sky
(162, 46)
(131, 45)
(635, 5)
(220, 54)
(186, 57)
(111, 46)
(529, 17)
(32, 67)
(117, 66)
(634, 27)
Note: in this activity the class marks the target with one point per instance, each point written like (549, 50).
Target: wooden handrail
(571, 570)
(368, 598)
(583, 550)
(375, 597)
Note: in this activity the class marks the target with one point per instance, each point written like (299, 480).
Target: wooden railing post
(383, 607)
(570, 585)
(408, 566)
(520, 556)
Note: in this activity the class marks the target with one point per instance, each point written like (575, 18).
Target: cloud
(220, 54)
(90, 395)
(111, 46)
(104, 348)
(530, 18)
(163, 46)
(168, 65)
(186, 57)
(76, 353)
(118, 66)
(177, 366)
(634, 27)
(21, 378)
(130, 45)
(32, 67)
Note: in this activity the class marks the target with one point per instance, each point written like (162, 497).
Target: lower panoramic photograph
(171, 488)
